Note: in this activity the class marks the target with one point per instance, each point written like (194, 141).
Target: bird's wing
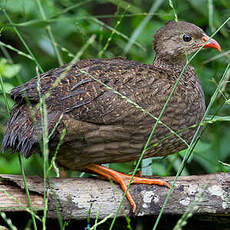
(93, 91)
(45, 82)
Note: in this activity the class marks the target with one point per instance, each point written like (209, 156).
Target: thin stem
(155, 6)
(4, 95)
(50, 33)
(23, 41)
(27, 189)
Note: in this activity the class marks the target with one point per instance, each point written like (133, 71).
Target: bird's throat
(170, 63)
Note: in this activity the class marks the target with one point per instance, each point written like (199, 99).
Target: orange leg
(124, 179)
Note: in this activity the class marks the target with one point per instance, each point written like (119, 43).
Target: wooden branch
(206, 194)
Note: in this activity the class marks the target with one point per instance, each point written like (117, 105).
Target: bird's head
(177, 39)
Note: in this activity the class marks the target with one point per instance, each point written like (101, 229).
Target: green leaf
(8, 70)
(11, 70)
(224, 164)
(7, 87)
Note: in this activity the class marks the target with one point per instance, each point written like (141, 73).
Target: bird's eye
(187, 38)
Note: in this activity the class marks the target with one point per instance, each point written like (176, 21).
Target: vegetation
(37, 35)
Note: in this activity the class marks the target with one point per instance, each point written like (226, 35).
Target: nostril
(205, 39)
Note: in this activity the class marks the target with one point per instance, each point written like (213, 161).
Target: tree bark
(205, 194)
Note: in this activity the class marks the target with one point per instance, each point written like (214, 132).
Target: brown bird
(100, 105)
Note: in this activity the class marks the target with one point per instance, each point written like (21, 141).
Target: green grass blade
(116, 32)
(23, 42)
(156, 4)
(4, 95)
(50, 33)
(17, 51)
(27, 190)
(210, 15)
(8, 221)
(124, 5)
(111, 36)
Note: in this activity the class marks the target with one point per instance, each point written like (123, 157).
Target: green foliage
(64, 29)
(8, 70)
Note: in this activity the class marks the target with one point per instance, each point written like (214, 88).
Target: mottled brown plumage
(89, 100)
(101, 125)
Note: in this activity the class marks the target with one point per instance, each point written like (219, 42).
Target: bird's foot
(124, 180)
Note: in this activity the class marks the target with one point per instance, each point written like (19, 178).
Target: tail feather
(20, 133)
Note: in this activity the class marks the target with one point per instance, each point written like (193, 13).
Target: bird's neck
(176, 68)
(170, 64)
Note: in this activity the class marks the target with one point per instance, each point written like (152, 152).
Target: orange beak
(210, 43)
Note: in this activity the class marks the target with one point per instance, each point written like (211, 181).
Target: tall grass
(76, 29)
